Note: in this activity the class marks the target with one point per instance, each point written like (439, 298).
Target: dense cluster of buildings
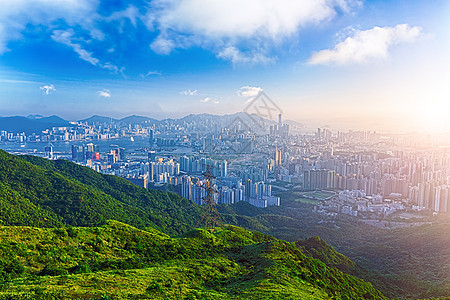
(357, 203)
(393, 169)
(12, 137)
(387, 168)
(230, 191)
(184, 174)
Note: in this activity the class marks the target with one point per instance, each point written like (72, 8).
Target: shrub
(52, 271)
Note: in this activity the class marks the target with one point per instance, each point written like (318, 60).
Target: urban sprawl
(358, 173)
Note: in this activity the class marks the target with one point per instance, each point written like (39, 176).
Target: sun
(434, 116)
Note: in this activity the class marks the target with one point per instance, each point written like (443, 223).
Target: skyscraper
(78, 153)
(151, 156)
(279, 123)
(92, 151)
(184, 164)
(49, 151)
(277, 157)
(151, 137)
(223, 169)
(248, 186)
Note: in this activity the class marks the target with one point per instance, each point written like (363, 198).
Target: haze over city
(351, 64)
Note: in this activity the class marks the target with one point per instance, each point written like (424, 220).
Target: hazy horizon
(308, 126)
(371, 65)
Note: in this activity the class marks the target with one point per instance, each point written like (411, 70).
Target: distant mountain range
(98, 119)
(31, 124)
(138, 120)
(37, 123)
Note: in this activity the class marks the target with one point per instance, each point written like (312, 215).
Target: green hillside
(17, 210)
(405, 263)
(319, 249)
(64, 193)
(122, 262)
(52, 194)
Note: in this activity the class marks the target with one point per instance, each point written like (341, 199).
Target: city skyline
(350, 64)
(374, 173)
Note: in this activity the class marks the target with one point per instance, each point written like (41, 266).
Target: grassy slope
(121, 261)
(414, 262)
(411, 263)
(17, 210)
(43, 194)
(319, 249)
(79, 196)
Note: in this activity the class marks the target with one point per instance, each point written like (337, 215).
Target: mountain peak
(34, 117)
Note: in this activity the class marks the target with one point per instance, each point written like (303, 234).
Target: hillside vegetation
(122, 262)
(319, 249)
(406, 263)
(45, 194)
(62, 192)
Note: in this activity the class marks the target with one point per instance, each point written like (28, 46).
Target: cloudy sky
(346, 63)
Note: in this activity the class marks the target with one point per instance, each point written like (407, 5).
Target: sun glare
(435, 116)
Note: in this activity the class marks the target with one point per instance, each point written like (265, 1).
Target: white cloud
(209, 100)
(19, 16)
(48, 89)
(236, 18)
(104, 93)
(367, 45)
(249, 91)
(236, 56)
(224, 26)
(150, 73)
(131, 13)
(67, 38)
(189, 92)
(348, 6)
(162, 46)
(242, 32)
(15, 81)
(15, 15)
(113, 68)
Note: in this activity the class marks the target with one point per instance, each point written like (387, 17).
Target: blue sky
(348, 63)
